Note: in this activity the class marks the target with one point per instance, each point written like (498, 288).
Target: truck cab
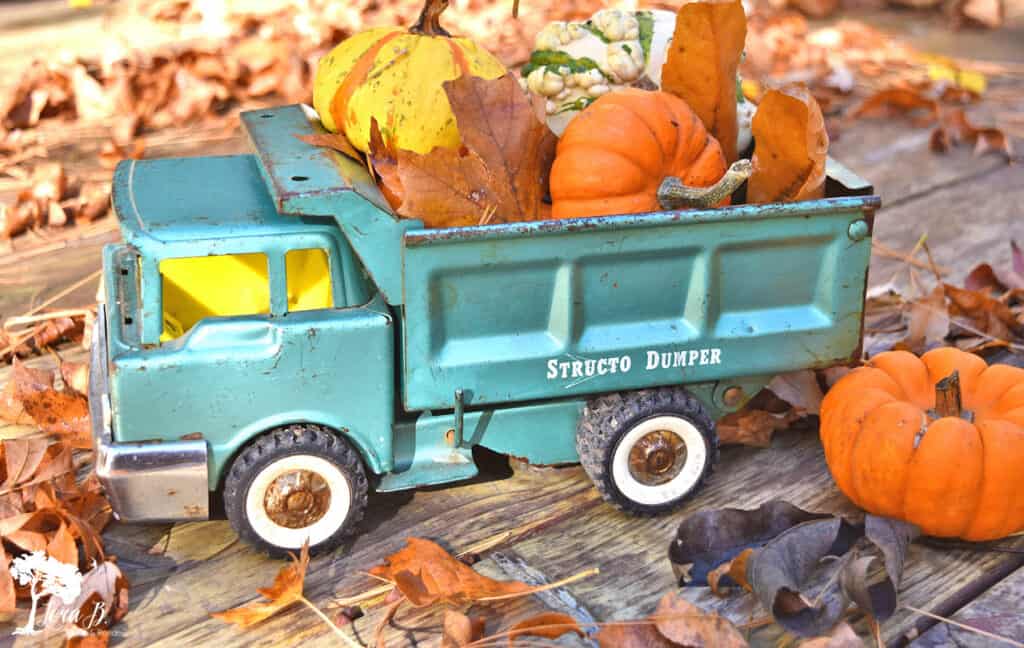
(272, 334)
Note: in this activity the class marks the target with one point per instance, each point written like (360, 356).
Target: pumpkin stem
(673, 194)
(429, 23)
(947, 396)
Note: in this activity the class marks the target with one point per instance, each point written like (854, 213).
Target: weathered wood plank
(635, 570)
(1000, 610)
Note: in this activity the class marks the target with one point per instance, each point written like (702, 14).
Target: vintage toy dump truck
(274, 335)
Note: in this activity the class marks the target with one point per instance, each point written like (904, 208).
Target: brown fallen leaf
(735, 569)
(11, 410)
(63, 413)
(982, 313)
(986, 13)
(334, 141)
(676, 623)
(426, 574)
(893, 102)
(954, 129)
(383, 161)
(800, 389)
(927, 323)
(75, 375)
(500, 171)
(549, 625)
(791, 148)
(96, 640)
(460, 630)
(701, 65)
(842, 636)
(753, 427)
(102, 602)
(286, 590)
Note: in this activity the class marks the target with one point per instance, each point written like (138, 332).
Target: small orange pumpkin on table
(937, 441)
(635, 151)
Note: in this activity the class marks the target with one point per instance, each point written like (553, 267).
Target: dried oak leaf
(426, 574)
(99, 639)
(701, 64)
(63, 413)
(460, 630)
(791, 148)
(983, 313)
(549, 625)
(676, 623)
(778, 570)
(711, 538)
(499, 173)
(286, 589)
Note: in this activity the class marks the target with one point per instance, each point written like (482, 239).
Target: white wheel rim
(324, 527)
(678, 486)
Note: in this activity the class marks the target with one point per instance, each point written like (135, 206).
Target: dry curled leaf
(460, 630)
(729, 574)
(549, 625)
(286, 589)
(954, 129)
(63, 413)
(927, 323)
(334, 141)
(892, 102)
(800, 389)
(102, 602)
(676, 623)
(701, 64)
(791, 148)
(712, 537)
(754, 427)
(500, 172)
(981, 312)
(426, 574)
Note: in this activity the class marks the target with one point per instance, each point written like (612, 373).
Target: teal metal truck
(273, 335)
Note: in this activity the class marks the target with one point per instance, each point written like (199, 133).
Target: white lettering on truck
(580, 370)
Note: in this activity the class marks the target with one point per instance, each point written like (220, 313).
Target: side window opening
(195, 288)
(308, 275)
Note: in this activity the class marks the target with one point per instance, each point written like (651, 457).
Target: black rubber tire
(292, 440)
(606, 419)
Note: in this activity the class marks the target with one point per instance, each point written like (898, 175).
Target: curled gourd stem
(429, 24)
(673, 194)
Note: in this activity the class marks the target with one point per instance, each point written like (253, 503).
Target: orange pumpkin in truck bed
(615, 155)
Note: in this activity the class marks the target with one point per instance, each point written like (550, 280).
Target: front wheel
(296, 483)
(647, 451)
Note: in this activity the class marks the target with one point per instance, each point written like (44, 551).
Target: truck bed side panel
(546, 310)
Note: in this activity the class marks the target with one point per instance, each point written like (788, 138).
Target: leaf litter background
(65, 122)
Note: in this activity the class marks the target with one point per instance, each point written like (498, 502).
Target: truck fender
(222, 455)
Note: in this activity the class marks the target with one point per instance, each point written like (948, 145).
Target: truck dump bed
(541, 310)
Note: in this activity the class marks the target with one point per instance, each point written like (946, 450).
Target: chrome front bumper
(147, 481)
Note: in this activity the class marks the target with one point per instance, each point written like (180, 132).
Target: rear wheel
(296, 483)
(647, 451)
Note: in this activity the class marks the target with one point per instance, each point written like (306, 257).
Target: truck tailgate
(561, 308)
